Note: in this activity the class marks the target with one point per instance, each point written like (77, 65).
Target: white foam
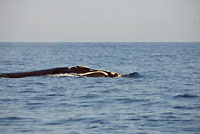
(63, 75)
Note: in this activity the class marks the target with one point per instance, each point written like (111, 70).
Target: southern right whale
(75, 71)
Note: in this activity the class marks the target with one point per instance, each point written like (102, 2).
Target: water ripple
(128, 100)
(7, 121)
(73, 120)
(186, 96)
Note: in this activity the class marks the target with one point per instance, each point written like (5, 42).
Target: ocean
(164, 98)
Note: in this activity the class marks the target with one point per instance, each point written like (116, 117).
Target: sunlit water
(163, 99)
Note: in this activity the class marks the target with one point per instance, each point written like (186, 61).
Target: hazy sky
(99, 20)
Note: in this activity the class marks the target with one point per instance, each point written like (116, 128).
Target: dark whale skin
(36, 73)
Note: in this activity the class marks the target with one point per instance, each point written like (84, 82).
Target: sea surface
(164, 98)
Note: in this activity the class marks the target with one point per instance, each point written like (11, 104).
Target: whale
(73, 71)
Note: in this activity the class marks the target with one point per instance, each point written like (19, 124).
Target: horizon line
(100, 42)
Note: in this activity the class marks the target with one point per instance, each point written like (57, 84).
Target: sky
(99, 20)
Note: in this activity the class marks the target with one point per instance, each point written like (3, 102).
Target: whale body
(75, 71)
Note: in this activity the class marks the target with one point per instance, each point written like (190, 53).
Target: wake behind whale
(68, 71)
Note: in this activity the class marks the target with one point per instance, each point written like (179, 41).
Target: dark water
(163, 99)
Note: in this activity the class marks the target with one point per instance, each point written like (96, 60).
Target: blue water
(163, 99)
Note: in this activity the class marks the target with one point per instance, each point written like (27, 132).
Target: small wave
(89, 96)
(28, 91)
(8, 100)
(186, 96)
(97, 121)
(182, 107)
(11, 118)
(34, 104)
(133, 75)
(134, 119)
(127, 100)
(66, 121)
(51, 95)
